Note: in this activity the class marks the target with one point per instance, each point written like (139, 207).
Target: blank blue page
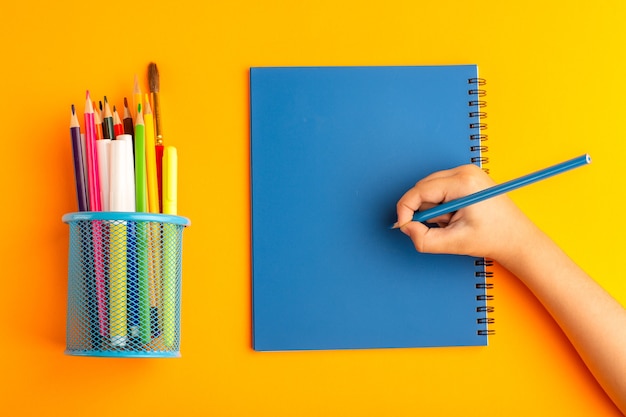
(332, 151)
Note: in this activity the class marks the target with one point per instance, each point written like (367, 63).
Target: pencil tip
(397, 225)
(88, 105)
(87, 95)
(147, 108)
(73, 110)
(125, 102)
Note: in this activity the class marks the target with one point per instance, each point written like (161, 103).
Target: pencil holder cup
(124, 284)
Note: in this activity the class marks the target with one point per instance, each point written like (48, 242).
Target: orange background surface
(556, 88)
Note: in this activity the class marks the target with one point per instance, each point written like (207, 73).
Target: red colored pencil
(118, 127)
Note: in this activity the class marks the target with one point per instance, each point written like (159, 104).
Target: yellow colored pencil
(170, 245)
(117, 285)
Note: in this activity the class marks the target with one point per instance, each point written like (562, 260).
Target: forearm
(594, 322)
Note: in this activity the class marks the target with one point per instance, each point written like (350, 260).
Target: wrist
(523, 246)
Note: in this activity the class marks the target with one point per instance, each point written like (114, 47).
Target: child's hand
(494, 228)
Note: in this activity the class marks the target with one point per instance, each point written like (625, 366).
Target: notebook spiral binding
(478, 148)
(476, 114)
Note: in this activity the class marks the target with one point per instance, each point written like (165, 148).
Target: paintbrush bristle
(153, 77)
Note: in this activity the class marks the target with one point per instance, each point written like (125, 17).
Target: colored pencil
(154, 248)
(459, 203)
(118, 127)
(118, 276)
(137, 96)
(108, 131)
(141, 192)
(79, 163)
(95, 204)
(140, 305)
(170, 245)
(97, 122)
(129, 128)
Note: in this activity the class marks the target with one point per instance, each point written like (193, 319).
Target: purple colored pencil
(79, 163)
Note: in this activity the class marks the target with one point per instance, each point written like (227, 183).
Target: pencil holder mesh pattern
(124, 284)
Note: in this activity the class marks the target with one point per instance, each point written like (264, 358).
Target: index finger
(429, 190)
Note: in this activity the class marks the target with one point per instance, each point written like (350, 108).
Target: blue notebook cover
(332, 151)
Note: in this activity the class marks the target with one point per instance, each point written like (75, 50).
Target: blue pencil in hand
(459, 203)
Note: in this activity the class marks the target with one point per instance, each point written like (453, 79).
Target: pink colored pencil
(95, 204)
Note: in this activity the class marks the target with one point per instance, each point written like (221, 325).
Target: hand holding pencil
(475, 213)
(497, 229)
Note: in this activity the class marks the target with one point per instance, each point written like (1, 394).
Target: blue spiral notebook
(332, 151)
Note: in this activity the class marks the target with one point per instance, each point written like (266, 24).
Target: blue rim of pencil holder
(124, 284)
(125, 216)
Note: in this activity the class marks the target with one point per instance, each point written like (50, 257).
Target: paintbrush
(154, 82)
(153, 79)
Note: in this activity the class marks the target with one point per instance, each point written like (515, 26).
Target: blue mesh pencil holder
(124, 284)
